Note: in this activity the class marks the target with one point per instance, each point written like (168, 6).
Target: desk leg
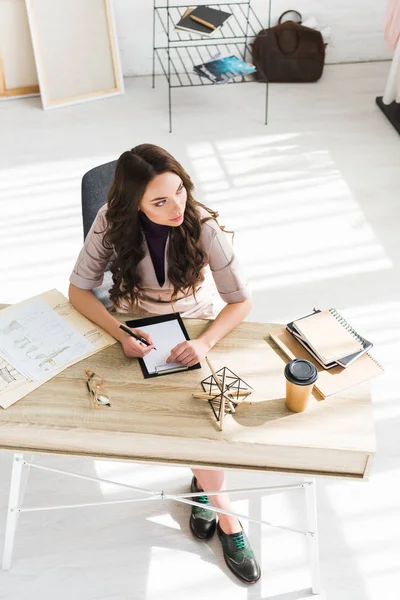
(13, 510)
(312, 526)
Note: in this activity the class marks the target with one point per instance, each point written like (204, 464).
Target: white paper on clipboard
(165, 336)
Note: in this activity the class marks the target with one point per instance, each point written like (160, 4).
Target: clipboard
(167, 331)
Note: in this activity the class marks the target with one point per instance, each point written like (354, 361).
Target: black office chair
(95, 186)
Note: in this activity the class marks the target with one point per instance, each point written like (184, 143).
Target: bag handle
(288, 12)
(287, 52)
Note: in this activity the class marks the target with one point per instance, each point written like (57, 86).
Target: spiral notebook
(329, 335)
(344, 361)
(337, 379)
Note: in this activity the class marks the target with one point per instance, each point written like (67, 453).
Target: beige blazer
(221, 273)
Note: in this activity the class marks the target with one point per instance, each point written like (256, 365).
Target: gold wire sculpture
(96, 385)
(224, 390)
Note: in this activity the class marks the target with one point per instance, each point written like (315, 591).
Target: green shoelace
(202, 499)
(239, 541)
(203, 513)
(242, 549)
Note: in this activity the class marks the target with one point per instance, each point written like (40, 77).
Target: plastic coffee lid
(301, 372)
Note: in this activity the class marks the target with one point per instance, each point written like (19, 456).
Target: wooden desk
(157, 419)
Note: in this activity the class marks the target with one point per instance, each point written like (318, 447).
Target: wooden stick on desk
(205, 23)
(208, 396)
(228, 395)
(221, 388)
(222, 407)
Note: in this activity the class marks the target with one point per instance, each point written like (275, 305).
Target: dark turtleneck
(156, 237)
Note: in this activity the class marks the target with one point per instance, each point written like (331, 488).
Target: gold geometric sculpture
(224, 390)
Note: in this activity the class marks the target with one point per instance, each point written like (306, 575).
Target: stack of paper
(35, 340)
(39, 338)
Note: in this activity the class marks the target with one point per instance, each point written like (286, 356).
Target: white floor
(314, 200)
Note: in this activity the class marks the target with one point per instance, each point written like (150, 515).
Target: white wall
(357, 28)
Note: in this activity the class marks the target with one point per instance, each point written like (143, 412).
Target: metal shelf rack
(182, 50)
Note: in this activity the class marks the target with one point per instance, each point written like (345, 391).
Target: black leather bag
(288, 52)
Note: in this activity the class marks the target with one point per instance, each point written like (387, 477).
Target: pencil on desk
(205, 23)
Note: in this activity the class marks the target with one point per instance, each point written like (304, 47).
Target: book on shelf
(202, 20)
(224, 69)
(329, 338)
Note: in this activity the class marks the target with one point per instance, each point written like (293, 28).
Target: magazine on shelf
(224, 69)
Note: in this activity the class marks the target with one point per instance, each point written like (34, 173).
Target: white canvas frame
(18, 77)
(74, 56)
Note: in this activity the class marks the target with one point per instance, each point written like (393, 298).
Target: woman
(167, 253)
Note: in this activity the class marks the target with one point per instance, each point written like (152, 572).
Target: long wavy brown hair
(134, 170)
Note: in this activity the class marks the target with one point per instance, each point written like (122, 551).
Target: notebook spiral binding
(375, 361)
(354, 333)
(346, 325)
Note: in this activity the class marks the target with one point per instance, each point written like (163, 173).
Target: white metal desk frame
(17, 492)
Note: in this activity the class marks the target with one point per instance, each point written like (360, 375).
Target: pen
(135, 335)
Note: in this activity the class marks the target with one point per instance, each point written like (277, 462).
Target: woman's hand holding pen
(190, 352)
(132, 347)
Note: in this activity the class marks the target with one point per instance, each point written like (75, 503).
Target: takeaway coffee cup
(300, 376)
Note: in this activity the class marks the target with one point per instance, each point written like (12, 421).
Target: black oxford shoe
(239, 556)
(202, 520)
